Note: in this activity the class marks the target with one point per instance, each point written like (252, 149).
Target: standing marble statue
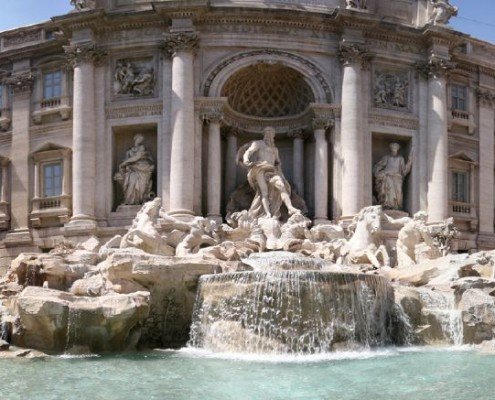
(389, 175)
(443, 11)
(356, 4)
(265, 176)
(135, 173)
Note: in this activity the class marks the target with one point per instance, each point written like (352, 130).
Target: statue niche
(389, 174)
(135, 174)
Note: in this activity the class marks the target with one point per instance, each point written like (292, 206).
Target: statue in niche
(443, 11)
(391, 89)
(131, 80)
(389, 174)
(265, 177)
(135, 173)
(356, 4)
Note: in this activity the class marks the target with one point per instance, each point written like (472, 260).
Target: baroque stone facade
(338, 81)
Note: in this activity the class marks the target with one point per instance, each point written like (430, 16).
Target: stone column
(36, 179)
(230, 164)
(182, 47)
(22, 85)
(320, 127)
(352, 56)
(66, 177)
(5, 182)
(82, 57)
(487, 162)
(438, 163)
(214, 183)
(298, 161)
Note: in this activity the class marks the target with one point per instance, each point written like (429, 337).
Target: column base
(80, 224)
(182, 215)
(18, 237)
(320, 221)
(217, 218)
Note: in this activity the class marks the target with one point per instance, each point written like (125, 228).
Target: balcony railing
(51, 103)
(47, 208)
(457, 207)
(460, 114)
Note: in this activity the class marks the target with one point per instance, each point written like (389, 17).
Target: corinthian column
(83, 57)
(230, 164)
(298, 161)
(182, 47)
(214, 191)
(438, 163)
(352, 56)
(320, 127)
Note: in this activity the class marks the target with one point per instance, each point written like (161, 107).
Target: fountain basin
(292, 312)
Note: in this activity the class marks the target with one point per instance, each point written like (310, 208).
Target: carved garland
(269, 52)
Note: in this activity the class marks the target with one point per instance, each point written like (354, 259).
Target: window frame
(455, 99)
(54, 87)
(466, 198)
(42, 171)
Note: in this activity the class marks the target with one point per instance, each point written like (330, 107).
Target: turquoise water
(187, 375)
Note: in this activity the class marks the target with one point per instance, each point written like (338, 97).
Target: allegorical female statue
(135, 173)
(389, 175)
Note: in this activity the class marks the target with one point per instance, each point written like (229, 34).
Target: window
(460, 186)
(52, 179)
(459, 95)
(52, 85)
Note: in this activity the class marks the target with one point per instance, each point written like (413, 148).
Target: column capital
(83, 53)
(322, 123)
(435, 67)
(486, 97)
(353, 53)
(20, 82)
(210, 116)
(297, 134)
(181, 41)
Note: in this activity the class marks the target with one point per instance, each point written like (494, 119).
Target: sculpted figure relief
(442, 12)
(261, 158)
(129, 79)
(391, 89)
(135, 173)
(359, 4)
(389, 174)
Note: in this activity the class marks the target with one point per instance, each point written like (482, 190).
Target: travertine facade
(338, 80)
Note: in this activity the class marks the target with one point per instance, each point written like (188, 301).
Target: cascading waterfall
(442, 306)
(297, 312)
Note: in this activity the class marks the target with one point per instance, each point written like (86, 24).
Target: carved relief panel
(391, 89)
(134, 77)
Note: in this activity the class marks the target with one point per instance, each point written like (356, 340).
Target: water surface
(192, 375)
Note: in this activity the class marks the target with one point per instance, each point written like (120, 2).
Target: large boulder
(478, 316)
(55, 321)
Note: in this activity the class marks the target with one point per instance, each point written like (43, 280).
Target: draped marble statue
(265, 176)
(443, 11)
(135, 173)
(389, 174)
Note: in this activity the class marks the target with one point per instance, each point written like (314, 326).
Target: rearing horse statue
(364, 246)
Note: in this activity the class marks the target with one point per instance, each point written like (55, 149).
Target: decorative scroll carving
(83, 5)
(181, 41)
(436, 67)
(353, 53)
(83, 53)
(22, 82)
(443, 11)
(134, 78)
(356, 4)
(391, 89)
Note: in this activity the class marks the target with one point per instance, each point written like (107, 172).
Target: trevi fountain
(264, 297)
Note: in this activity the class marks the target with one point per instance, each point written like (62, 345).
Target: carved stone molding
(322, 123)
(181, 41)
(147, 110)
(436, 67)
(211, 109)
(22, 82)
(391, 88)
(394, 121)
(353, 53)
(297, 134)
(486, 97)
(83, 53)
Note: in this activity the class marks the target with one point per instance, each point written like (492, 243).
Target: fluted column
(320, 127)
(214, 189)
(230, 164)
(182, 47)
(83, 57)
(298, 161)
(438, 163)
(352, 121)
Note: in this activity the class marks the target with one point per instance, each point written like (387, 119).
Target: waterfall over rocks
(294, 312)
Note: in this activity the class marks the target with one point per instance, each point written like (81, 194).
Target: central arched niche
(268, 90)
